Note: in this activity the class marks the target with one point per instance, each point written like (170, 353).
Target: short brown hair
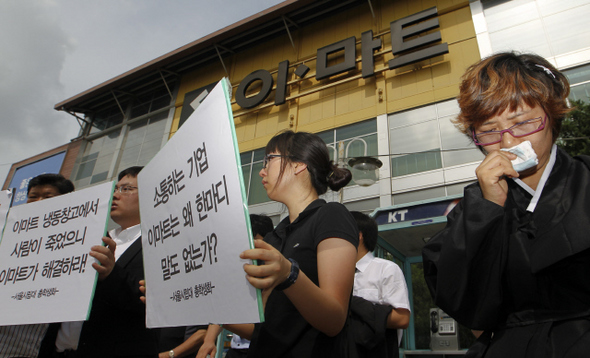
(508, 80)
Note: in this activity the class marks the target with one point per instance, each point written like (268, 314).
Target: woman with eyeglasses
(306, 264)
(514, 258)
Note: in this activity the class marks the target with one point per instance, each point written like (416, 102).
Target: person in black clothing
(25, 340)
(116, 326)
(514, 258)
(308, 259)
(261, 225)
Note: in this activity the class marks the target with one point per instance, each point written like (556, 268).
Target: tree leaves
(575, 131)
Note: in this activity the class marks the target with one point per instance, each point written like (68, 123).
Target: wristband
(292, 276)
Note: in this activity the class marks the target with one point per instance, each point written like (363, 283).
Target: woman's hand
(492, 174)
(325, 307)
(276, 267)
(275, 270)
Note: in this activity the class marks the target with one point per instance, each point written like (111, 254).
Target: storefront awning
(407, 227)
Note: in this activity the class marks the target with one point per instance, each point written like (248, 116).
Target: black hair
(310, 149)
(368, 227)
(131, 171)
(58, 181)
(261, 224)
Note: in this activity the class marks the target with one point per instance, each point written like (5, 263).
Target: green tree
(422, 304)
(575, 131)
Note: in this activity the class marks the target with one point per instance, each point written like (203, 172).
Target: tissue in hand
(527, 157)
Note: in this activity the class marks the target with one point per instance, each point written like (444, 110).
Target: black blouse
(523, 276)
(285, 333)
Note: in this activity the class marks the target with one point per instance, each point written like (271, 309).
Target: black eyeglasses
(268, 157)
(518, 130)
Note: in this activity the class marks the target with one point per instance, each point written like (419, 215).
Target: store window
(579, 79)
(425, 139)
(352, 141)
(548, 28)
(150, 102)
(355, 140)
(107, 119)
(96, 160)
(135, 142)
(419, 195)
(365, 206)
(251, 166)
(143, 141)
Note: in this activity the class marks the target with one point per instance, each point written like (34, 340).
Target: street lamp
(365, 170)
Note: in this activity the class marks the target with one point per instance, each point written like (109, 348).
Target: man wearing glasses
(25, 340)
(116, 326)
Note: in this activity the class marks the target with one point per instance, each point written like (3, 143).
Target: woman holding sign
(306, 265)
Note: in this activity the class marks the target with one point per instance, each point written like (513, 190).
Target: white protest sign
(5, 196)
(46, 274)
(195, 224)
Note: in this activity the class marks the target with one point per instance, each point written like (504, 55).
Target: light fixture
(365, 170)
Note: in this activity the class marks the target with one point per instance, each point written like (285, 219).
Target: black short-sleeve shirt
(285, 333)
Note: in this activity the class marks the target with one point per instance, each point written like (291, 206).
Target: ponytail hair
(338, 177)
(310, 149)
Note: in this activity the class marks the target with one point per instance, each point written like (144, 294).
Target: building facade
(374, 78)
(57, 160)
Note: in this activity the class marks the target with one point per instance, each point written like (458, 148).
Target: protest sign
(195, 224)
(46, 274)
(5, 196)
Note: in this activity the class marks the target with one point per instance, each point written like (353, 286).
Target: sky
(51, 50)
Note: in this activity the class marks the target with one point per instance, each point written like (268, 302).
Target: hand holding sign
(105, 256)
(45, 273)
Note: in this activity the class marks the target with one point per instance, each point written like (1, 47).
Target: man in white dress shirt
(380, 281)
